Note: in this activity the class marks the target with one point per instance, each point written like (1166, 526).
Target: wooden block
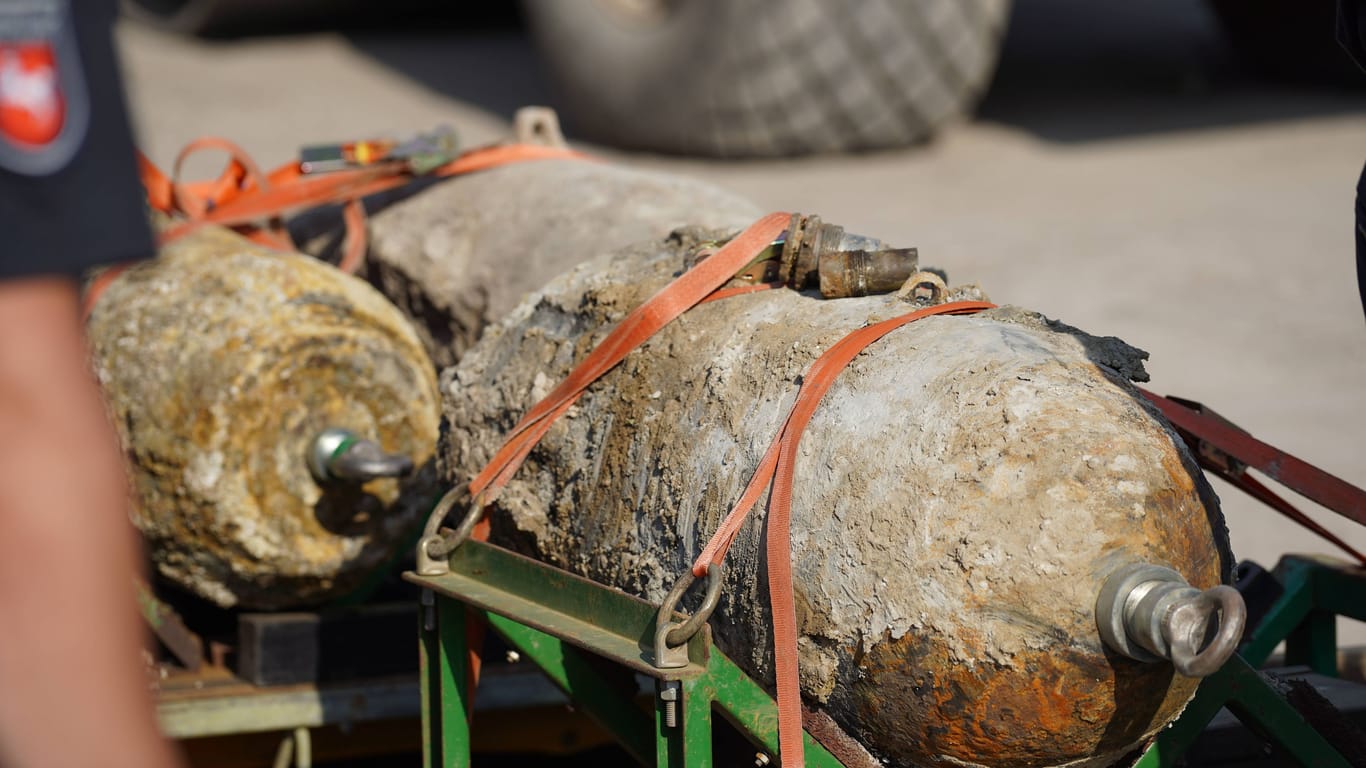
(319, 647)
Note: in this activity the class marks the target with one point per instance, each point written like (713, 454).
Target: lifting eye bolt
(341, 455)
(1148, 612)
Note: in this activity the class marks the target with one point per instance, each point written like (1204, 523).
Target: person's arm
(73, 690)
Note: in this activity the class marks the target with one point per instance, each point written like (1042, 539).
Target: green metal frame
(1317, 590)
(1253, 700)
(568, 626)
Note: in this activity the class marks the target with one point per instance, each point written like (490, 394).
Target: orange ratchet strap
(644, 321)
(243, 197)
(1227, 451)
(688, 290)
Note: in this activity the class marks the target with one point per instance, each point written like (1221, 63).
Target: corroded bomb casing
(461, 254)
(961, 495)
(223, 362)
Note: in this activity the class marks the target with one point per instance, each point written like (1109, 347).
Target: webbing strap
(1305, 479)
(1295, 474)
(698, 285)
(684, 292)
(1252, 487)
(242, 196)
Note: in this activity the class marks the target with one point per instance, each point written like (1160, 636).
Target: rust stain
(1183, 528)
(1052, 706)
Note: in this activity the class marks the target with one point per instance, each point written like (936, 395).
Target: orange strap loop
(243, 197)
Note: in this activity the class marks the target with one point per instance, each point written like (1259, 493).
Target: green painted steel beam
(571, 670)
(1252, 698)
(1315, 591)
(1339, 587)
(1314, 643)
(452, 620)
(597, 618)
(555, 620)
(1287, 613)
(749, 707)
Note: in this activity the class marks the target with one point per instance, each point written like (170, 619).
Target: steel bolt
(761, 759)
(513, 657)
(668, 697)
(428, 601)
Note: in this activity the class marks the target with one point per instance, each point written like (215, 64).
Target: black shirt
(86, 207)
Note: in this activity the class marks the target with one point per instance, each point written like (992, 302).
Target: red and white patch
(32, 109)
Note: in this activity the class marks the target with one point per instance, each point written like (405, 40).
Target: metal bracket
(559, 622)
(606, 621)
(539, 126)
(671, 637)
(437, 543)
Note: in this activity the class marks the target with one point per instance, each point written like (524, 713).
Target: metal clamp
(671, 637)
(437, 544)
(1148, 612)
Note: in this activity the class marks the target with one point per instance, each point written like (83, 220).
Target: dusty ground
(1123, 176)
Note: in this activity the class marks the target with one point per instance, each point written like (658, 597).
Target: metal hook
(1186, 626)
(671, 636)
(435, 547)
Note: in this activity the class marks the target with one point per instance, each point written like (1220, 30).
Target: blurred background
(1154, 171)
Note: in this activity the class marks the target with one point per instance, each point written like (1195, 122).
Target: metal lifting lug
(340, 455)
(1148, 612)
(671, 637)
(437, 543)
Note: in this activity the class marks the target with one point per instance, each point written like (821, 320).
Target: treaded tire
(740, 78)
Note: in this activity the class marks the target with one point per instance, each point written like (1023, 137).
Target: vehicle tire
(766, 78)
